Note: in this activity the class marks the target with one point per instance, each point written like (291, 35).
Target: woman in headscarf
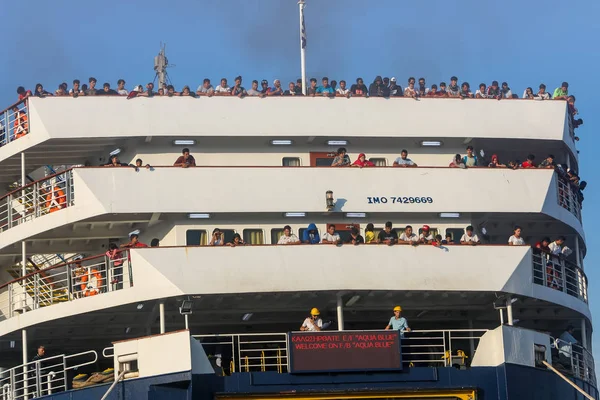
(495, 163)
(362, 161)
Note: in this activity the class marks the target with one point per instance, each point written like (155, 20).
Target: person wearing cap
(506, 92)
(325, 89)
(398, 323)
(453, 89)
(185, 160)
(562, 92)
(223, 88)
(288, 237)
(425, 236)
(542, 94)
(276, 90)
(313, 323)
(493, 91)
(342, 90)
(238, 90)
(264, 87)
(91, 91)
(355, 237)
(114, 162)
(359, 88)
(442, 92)
(133, 241)
(254, 90)
(388, 235)
(395, 89)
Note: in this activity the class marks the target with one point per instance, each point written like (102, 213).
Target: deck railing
(260, 352)
(64, 282)
(14, 122)
(568, 197)
(578, 361)
(43, 377)
(559, 274)
(42, 197)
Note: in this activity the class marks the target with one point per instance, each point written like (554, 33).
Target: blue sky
(521, 42)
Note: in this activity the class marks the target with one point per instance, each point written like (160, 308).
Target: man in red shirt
(133, 241)
(23, 94)
(529, 163)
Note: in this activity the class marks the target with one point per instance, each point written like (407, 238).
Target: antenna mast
(160, 65)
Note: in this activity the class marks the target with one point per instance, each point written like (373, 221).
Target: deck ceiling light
(140, 306)
(127, 330)
(199, 216)
(247, 317)
(295, 214)
(184, 142)
(356, 215)
(431, 143)
(115, 152)
(186, 307)
(280, 142)
(337, 142)
(449, 215)
(352, 300)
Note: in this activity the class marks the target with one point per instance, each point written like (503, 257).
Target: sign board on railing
(344, 351)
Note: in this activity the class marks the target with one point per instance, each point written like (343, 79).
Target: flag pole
(302, 46)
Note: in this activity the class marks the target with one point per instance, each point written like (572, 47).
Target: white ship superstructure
(263, 164)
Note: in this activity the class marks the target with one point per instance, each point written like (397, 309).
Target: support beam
(161, 313)
(154, 219)
(584, 342)
(25, 360)
(509, 310)
(340, 312)
(23, 182)
(577, 252)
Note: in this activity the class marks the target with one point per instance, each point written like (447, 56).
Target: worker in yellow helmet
(398, 322)
(313, 323)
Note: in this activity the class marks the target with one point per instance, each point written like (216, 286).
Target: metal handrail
(557, 273)
(576, 359)
(246, 352)
(41, 377)
(14, 124)
(69, 281)
(568, 197)
(36, 199)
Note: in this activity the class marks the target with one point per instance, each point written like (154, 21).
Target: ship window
(379, 162)
(228, 235)
(276, 233)
(291, 162)
(253, 236)
(195, 237)
(456, 233)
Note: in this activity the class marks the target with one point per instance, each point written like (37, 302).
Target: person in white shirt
(469, 237)
(205, 89)
(408, 236)
(556, 247)
(481, 93)
(313, 323)
(426, 237)
(331, 236)
(121, 87)
(288, 237)
(343, 90)
(223, 87)
(542, 94)
(516, 239)
(528, 94)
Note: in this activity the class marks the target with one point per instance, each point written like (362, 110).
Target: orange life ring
(55, 200)
(91, 288)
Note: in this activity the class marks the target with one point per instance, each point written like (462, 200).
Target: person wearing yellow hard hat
(397, 322)
(313, 323)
